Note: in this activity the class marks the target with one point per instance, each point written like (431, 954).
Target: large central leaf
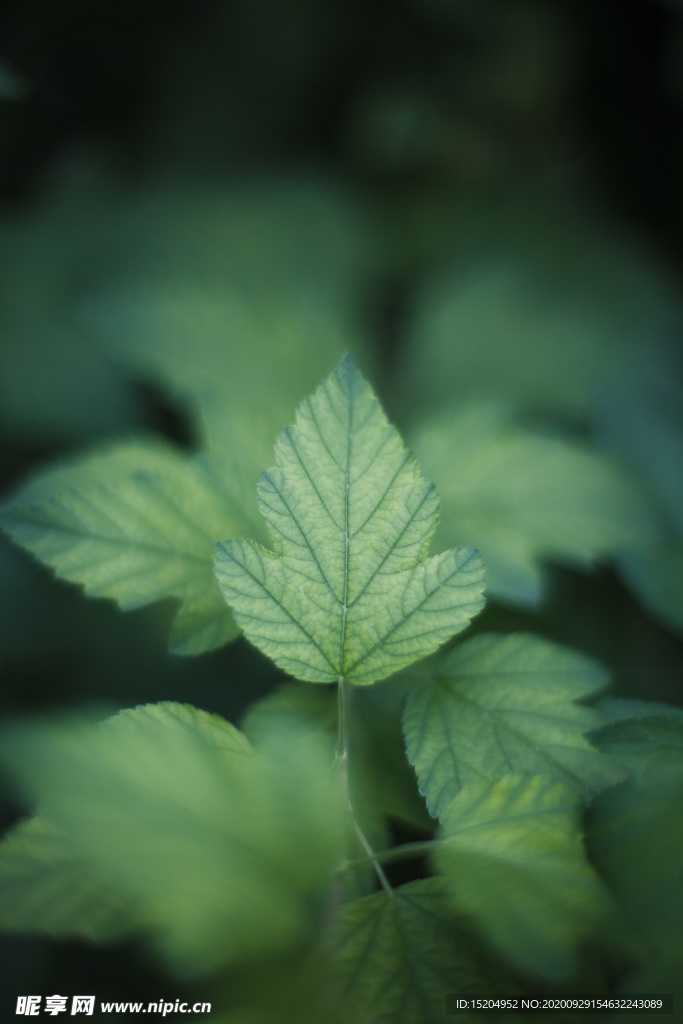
(348, 592)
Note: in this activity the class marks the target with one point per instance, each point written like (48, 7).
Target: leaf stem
(371, 857)
(342, 741)
(392, 853)
(342, 761)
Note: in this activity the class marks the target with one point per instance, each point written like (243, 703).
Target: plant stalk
(392, 853)
(342, 761)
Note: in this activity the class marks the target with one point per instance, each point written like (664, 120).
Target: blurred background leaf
(226, 853)
(537, 300)
(524, 496)
(47, 887)
(634, 835)
(513, 858)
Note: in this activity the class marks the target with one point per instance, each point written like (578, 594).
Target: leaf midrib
(347, 477)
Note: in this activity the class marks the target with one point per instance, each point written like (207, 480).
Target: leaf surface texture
(399, 957)
(497, 704)
(347, 591)
(137, 523)
(513, 858)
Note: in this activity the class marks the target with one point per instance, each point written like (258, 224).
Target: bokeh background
(204, 203)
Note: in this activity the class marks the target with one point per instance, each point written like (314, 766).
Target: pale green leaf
(157, 719)
(47, 888)
(137, 523)
(227, 853)
(513, 858)
(348, 591)
(399, 956)
(497, 704)
(314, 707)
(523, 497)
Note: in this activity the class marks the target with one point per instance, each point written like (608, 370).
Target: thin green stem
(342, 744)
(342, 755)
(371, 857)
(342, 762)
(393, 853)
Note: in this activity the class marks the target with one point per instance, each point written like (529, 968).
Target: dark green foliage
(165, 822)
(204, 207)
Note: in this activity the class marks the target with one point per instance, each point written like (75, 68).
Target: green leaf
(635, 837)
(316, 707)
(237, 299)
(187, 722)
(644, 744)
(616, 708)
(523, 497)
(655, 574)
(399, 956)
(55, 386)
(240, 358)
(227, 853)
(47, 888)
(497, 704)
(348, 592)
(643, 425)
(538, 300)
(513, 858)
(137, 523)
(290, 233)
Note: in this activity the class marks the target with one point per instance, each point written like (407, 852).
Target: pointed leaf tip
(348, 364)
